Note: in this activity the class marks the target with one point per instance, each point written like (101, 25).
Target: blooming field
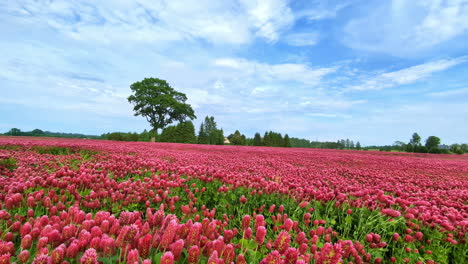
(90, 201)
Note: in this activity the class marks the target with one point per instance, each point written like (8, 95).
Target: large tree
(159, 103)
(432, 142)
(257, 141)
(237, 138)
(415, 139)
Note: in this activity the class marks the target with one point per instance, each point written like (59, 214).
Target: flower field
(91, 201)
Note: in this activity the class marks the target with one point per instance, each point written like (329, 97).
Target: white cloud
(407, 75)
(270, 17)
(319, 10)
(198, 98)
(158, 22)
(326, 115)
(405, 28)
(329, 102)
(280, 72)
(447, 93)
(302, 39)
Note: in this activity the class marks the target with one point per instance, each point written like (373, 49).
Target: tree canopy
(159, 103)
(432, 142)
(209, 134)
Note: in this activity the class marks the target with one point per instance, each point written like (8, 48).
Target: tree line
(431, 145)
(40, 133)
(161, 105)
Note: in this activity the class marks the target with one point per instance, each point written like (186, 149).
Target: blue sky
(372, 71)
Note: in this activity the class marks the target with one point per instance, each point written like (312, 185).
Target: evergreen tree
(209, 134)
(287, 143)
(266, 139)
(257, 141)
(358, 145)
(186, 133)
(202, 135)
(168, 134)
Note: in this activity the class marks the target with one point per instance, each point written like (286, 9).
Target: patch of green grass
(53, 150)
(9, 164)
(10, 147)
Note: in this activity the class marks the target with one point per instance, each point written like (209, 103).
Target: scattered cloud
(406, 28)
(253, 64)
(281, 72)
(302, 39)
(407, 75)
(318, 10)
(447, 93)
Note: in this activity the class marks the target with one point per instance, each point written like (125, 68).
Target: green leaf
(252, 244)
(254, 256)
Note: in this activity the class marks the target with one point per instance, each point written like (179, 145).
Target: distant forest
(41, 133)
(209, 133)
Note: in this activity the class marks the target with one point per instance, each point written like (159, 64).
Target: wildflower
(391, 212)
(213, 258)
(176, 249)
(193, 254)
(259, 221)
(26, 242)
(245, 222)
(89, 257)
(291, 255)
(24, 256)
(41, 259)
(57, 255)
(260, 235)
(272, 258)
(228, 254)
(240, 259)
(72, 250)
(288, 224)
(133, 256)
(330, 254)
(194, 234)
(282, 242)
(144, 244)
(242, 200)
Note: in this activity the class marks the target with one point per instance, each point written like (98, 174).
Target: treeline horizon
(184, 132)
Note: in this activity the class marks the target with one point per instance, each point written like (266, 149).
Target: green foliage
(257, 140)
(287, 142)
(436, 150)
(432, 142)
(209, 134)
(9, 164)
(54, 150)
(182, 133)
(159, 103)
(40, 133)
(121, 136)
(273, 139)
(237, 138)
(128, 136)
(415, 140)
(457, 149)
(14, 132)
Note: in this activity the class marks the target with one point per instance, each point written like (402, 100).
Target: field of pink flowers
(91, 201)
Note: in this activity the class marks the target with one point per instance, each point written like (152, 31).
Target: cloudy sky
(372, 71)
